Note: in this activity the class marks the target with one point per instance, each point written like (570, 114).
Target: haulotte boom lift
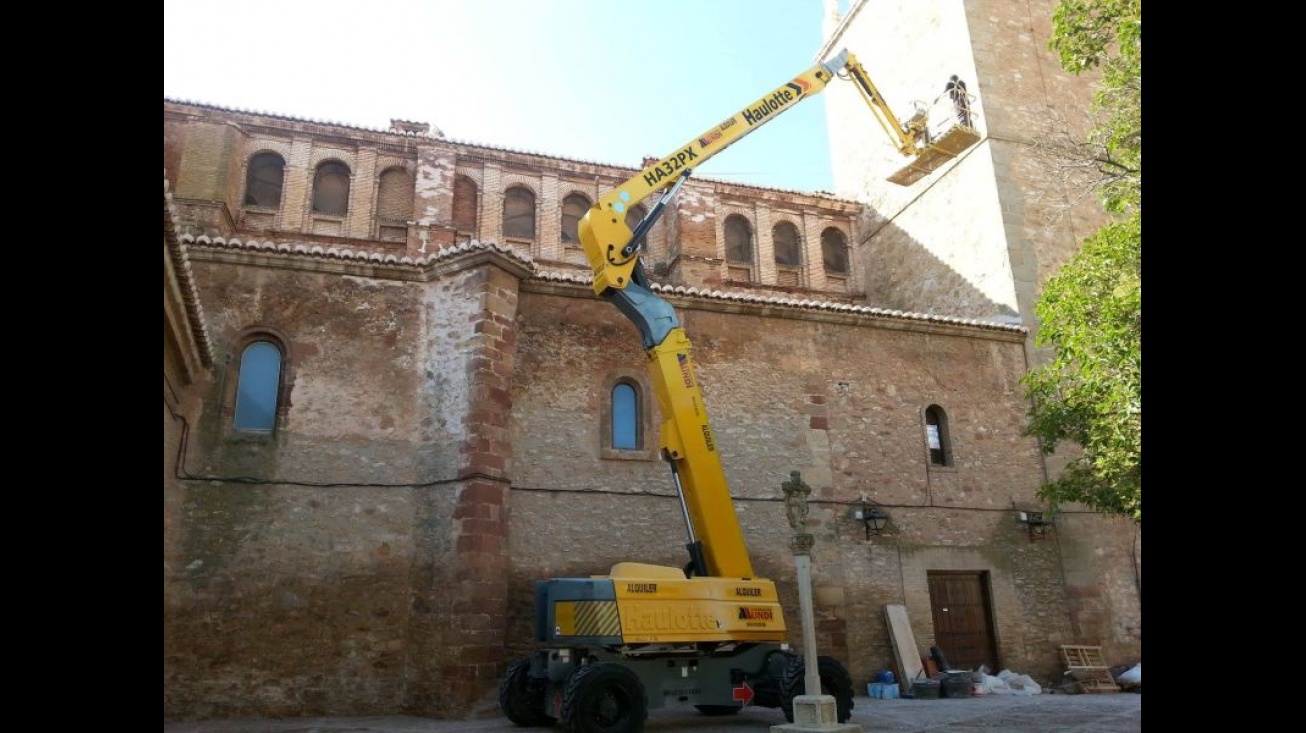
(709, 635)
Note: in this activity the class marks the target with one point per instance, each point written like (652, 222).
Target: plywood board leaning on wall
(905, 652)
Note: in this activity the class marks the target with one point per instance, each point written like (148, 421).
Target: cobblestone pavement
(1047, 713)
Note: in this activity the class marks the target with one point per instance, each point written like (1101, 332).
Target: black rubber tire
(604, 698)
(522, 698)
(716, 710)
(835, 682)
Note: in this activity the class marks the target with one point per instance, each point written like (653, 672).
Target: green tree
(1091, 312)
(1108, 35)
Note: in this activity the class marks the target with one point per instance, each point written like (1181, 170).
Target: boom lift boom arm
(716, 543)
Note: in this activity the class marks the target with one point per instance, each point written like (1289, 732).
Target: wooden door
(963, 619)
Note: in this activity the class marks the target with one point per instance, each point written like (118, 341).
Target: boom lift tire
(604, 698)
(521, 697)
(835, 681)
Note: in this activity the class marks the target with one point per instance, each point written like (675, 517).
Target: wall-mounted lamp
(1035, 523)
(873, 518)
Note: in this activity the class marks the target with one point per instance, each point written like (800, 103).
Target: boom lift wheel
(604, 698)
(522, 697)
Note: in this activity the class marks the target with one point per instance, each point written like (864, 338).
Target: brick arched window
(331, 188)
(394, 204)
(634, 215)
(788, 249)
(264, 179)
(739, 240)
(466, 204)
(834, 251)
(788, 254)
(574, 207)
(519, 213)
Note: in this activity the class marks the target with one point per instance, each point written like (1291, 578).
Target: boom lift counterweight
(709, 635)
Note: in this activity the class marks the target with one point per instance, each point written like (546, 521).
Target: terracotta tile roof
(344, 253)
(813, 304)
(185, 279)
(579, 278)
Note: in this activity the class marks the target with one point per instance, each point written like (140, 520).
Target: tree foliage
(1091, 392)
(1108, 35)
(1091, 313)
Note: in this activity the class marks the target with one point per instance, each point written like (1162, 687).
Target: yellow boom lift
(709, 635)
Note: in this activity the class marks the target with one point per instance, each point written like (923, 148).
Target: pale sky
(593, 80)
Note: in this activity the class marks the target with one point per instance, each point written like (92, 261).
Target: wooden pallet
(1084, 664)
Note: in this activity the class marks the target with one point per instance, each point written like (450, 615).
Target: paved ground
(1047, 713)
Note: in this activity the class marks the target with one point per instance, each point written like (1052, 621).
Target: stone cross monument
(812, 711)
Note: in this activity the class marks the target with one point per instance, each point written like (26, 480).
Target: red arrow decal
(800, 81)
(743, 694)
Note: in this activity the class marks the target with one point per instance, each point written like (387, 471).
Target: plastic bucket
(957, 685)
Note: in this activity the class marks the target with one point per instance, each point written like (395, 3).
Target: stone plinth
(816, 714)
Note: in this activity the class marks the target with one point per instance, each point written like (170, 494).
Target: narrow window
(623, 420)
(936, 436)
(465, 205)
(739, 240)
(625, 417)
(573, 210)
(257, 387)
(263, 180)
(394, 198)
(394, 204)
(331, 189)
(834, 250)
(788, 253)
(519, 213)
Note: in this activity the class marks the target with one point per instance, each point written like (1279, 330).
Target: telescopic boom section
(603, 229)
(717, 545)
(908, 138)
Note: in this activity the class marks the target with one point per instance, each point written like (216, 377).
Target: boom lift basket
(932, 157)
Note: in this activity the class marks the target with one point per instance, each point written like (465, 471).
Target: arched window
(331, 189)
(263, 180)
(634, 215)
(834, 251)
(574, 207)
(519, 213)
(739, 240)
(625, 417)
(257, 387)
(394, 198)
(788, 254)
(465, 205)
(394, 204)
(788, 251)
(936, 436)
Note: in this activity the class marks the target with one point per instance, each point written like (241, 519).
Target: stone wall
(980, 237)
(439, 444)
